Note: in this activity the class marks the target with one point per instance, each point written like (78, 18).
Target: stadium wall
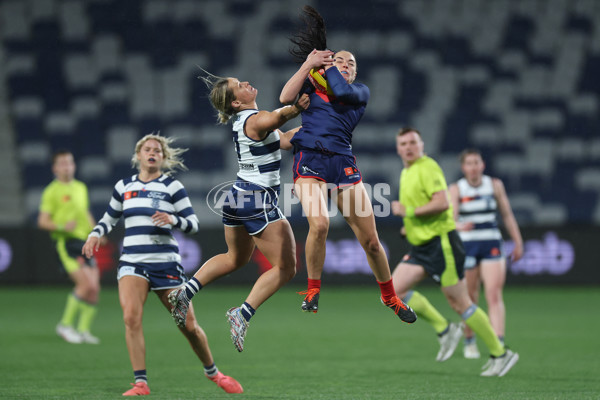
(553, 256)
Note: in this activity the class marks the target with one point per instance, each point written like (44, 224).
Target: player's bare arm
(263, 122)
(510, 223)
(316, 59)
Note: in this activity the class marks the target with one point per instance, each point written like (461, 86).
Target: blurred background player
(436, 250)
(255, 219)
(476, 198)
(64, 211)
(323, 159)
(153, 203)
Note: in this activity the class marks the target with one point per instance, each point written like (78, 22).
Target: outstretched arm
(263, 122)
(316, 59)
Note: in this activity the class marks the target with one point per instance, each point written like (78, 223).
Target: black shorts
(443, 258)
(69, 251)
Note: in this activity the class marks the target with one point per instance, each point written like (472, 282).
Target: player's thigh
(91, 275)
(354, 203)
(355, 206)
(493, 274)
(473, 278)
(277, 243)
(407, 275)
(133, 292)
(312, 194)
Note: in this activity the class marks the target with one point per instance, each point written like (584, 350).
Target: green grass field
(354, 348)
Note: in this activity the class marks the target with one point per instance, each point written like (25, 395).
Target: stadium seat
(517, 80)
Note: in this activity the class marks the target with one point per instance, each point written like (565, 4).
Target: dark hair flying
(312, 35)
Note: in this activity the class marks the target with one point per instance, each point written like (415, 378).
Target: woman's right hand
(91, 245)
(319, 59)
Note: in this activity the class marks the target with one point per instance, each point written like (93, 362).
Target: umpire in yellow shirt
(64, 212)
(436, 250)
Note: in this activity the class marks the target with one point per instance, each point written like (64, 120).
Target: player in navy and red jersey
(328, 123)
(323, 158)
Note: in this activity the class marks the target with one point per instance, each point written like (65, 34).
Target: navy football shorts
(337, 169)
(479, 250)
(166, 275)
(251, 206)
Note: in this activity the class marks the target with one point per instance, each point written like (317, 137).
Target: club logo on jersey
(130, 195)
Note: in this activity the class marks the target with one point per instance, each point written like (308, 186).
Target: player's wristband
(410, 211)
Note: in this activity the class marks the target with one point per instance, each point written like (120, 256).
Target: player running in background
(323, 155)
(252, 218)
(64, 211)
(153, 203)
(476, 198)
(436, 250)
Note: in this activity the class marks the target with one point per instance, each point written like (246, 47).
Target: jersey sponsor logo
(156, 195)
(246, 167)
(348, 171)
(306, 169)
(66, 198)
(495, 252)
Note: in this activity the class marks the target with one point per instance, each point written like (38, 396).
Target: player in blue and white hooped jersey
(152, 203)
(324, 165)
(477, 199)
(252, 218)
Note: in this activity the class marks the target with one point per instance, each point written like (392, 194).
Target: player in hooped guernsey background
(152, 203)
(477, 199)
